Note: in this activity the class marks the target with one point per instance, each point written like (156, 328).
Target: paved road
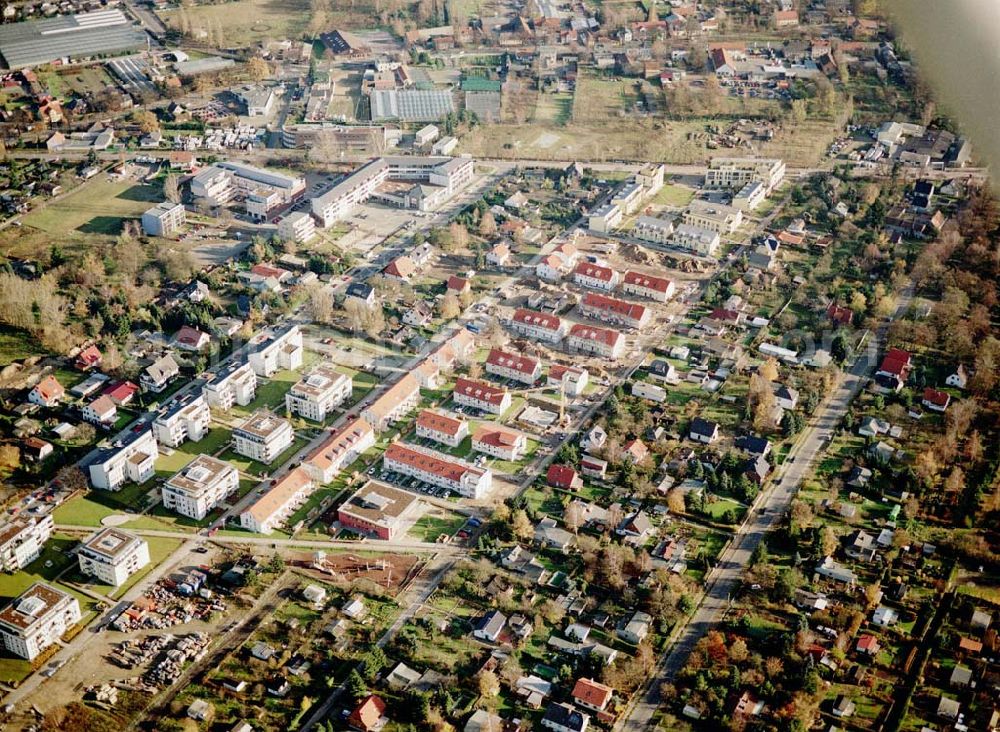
(768, 510)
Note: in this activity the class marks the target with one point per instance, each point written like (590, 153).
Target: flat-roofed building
(481, 395)
(612, 310)
(628, 197)
(164, 219)
(235, 383)
(36, 619)
(713, 216)
(695, 239)
(440, 427)
(639, 284)
(604, 218)
(21, 541)
(280, 501)
(378, 510)
(186, 419)
(538, 326)
(131, 457)
(251, 179)
(650, 177)
(339, 450)
(262, 437)
(261, 202)
(279, 350)
(596, 341)
(513, 366)
(298, 226)
(499, 442)
(214, 186)
(750, 196)
(319, 392)
(113, 555)
(439, 470)
(393, 404)
(734, 173)
(200, 486)
(653, 229)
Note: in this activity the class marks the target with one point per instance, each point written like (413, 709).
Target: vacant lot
(78, 82)
(553, 109)
(246, 22)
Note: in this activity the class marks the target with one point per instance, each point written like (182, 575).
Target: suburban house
(935, 400)
(489, 626)
(703, 430)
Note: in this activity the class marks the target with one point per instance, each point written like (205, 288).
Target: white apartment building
(279, 350)
(697, 240)
(441, 428)
(319, 392)
(187, 419)
(262, 437)
(36, 619)
(251, 179)
(112, 556)
(339, 450)
(734, 173)
(260, 203)
(595, 276)
(481, 395)
(164, 219)
(650, 177)
(21, 541)
(653, 229)
(274, 507)
(298, 226)
(393, 404)
(604, 218)
(234, 383)
(750, 196)
(713, 216)
(596, 341)
(200, 486)
(499, 442)
(513, 366)
(445, 173)
(572, 380)
(612, 310)
(439, 470)
(214, 186)
(538, 326)
(130, 458)
(628, 197)
(638, 284)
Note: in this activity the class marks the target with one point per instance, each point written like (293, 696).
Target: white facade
(185, 421)
(596, 341)
(499, 442)
(652, 392)
(260, 203)
(281, 501)
(571, 379)
(653, 229)
(200, 486)
(214, 185)
(442, 428)
(538, 326)
(481, 395)
(339, 450)
(282, 350)
(132, 459)
(112, 556)
(628, 197)
(694, 239)
(164, 219)
(397, 401)
(438, 470)
(734, 173)
(604, 218)
(647, 286)
(713, 216)
(595, 276)
(318, 393)
(234, 384)
(37, 619)
(263, 437)
(298, 226)
(21, 541)
(750, 196)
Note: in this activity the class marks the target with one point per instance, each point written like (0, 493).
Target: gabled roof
(561, 476)
(594, 271)
(660, 284)
(437, 422)
(521, 364)
(49, 388)
(591, 333)
(592, 692)
(537, 319)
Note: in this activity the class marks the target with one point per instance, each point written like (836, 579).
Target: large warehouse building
(36, 42)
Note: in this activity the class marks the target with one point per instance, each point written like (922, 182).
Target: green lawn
(674, 195)
(434, 523)
(49, 565)
(215, 440)
(96, 207)
(270, 395)
(246, 465)
(90, 509)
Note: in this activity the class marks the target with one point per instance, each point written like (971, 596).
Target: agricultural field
(244, 22)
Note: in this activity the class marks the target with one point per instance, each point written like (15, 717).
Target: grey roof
(485, 104)
(412, 105)
(206, 65)
(36, 42)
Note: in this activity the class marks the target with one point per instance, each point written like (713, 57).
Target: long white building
(713, 216)
(130, 458)
(734, 173)
(275, 507)
(187, 419)
(200, 486)
(695, 239)
(235, 383)
(21, 541)
(36, 619)
(448, 174)
(340, 449)
(319, 392)
(112, 555)
(439, 470)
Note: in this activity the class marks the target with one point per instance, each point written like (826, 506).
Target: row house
(393, 404)
(538, 326)
(653, 229)
(612, 310)
(344, 445)
(279, 502)
(481, 395)
(513, 366)
(596, 341)
(638, 284)
(572, 380)
(595, 276)
(439, 427)
(439, 470)
(499, 442)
